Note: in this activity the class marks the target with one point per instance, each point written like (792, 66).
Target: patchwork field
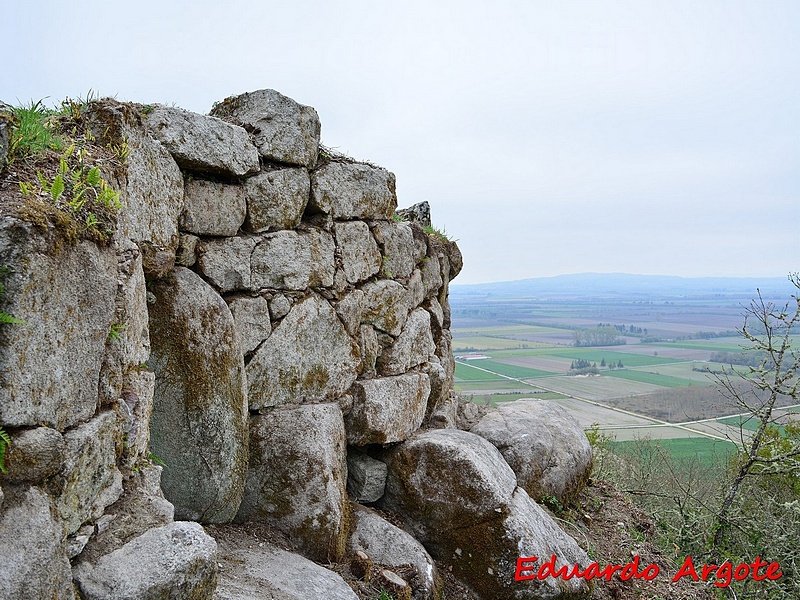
(661, 390)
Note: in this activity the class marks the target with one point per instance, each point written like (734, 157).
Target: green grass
(721, 346)
(512, 370)
(468, 373)
(596, 355)
(707, 451)
(493, 384)
(654, 378)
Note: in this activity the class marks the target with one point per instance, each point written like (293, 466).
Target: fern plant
(5, 442)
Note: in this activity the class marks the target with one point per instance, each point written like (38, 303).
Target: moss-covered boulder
(460, 499)
(308, 356)
(199, 422)
(297, 477)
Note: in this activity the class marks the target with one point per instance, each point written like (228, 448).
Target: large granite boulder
(150, 185)
(387, 409)
(397, 243)
(459, 497)
(386, 305)
(225, 262)
(543, 444)
(361, 258)
(212, 208)
(291, 260)
(33, 554)
(276, 199)
(172, 562)
(203, 143)
(90, 480)
(297, 477)
(283, 130)
(199, 422)
(390, 546)
(262, 572)
(412, 347)
(34, 454)
(65, 294)
(346, 190)
(309, 355)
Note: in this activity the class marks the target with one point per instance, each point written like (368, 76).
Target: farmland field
(666, 338)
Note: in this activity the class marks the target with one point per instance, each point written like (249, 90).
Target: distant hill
(624, 284)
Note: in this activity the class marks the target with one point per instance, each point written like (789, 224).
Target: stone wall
(261, 324)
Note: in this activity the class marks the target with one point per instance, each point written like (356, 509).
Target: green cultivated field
(710, 453)
(530, 340)
(647, 377)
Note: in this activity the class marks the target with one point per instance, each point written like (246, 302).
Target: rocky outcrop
(258, 321)
(460, 498)
(389, 545)
(543, 444)
(175, 561)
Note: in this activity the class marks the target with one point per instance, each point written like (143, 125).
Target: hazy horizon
(549, 137)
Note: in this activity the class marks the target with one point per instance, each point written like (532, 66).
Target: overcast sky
(549, 137)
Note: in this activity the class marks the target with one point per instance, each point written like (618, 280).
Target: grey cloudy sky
(549, 137)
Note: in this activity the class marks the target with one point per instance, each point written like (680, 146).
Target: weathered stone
(361, 258)
(32, 549)
(251, 318)
(91, 479)
(78, 540)
(226, 262)
(34, 454)
(151, 184)
(142, 506)
(437, 316)
(411, 348)
(350, 308)
(291, 260)
(444, 477)
(136, 407)
(454, 258)
(417, 213)
(444, 415)
(431, 275)
(297, 476)
(366, 477)
(174, 562)
(386, 305)
(249, 573)
(440, 392)
(543, 444)
(416, 289)
(199, 422)
(370, 349)
(50, 367)
(459, 497)
(309, 355)
(390, 546)
(279, 307)
(186, 254)
(388, 409)
(5, 127)
(397, 244)
(352, 191)
(444, 351)
(203, 143)
(282, 129)
(276, 199)
(129, 341)
(212, 208)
